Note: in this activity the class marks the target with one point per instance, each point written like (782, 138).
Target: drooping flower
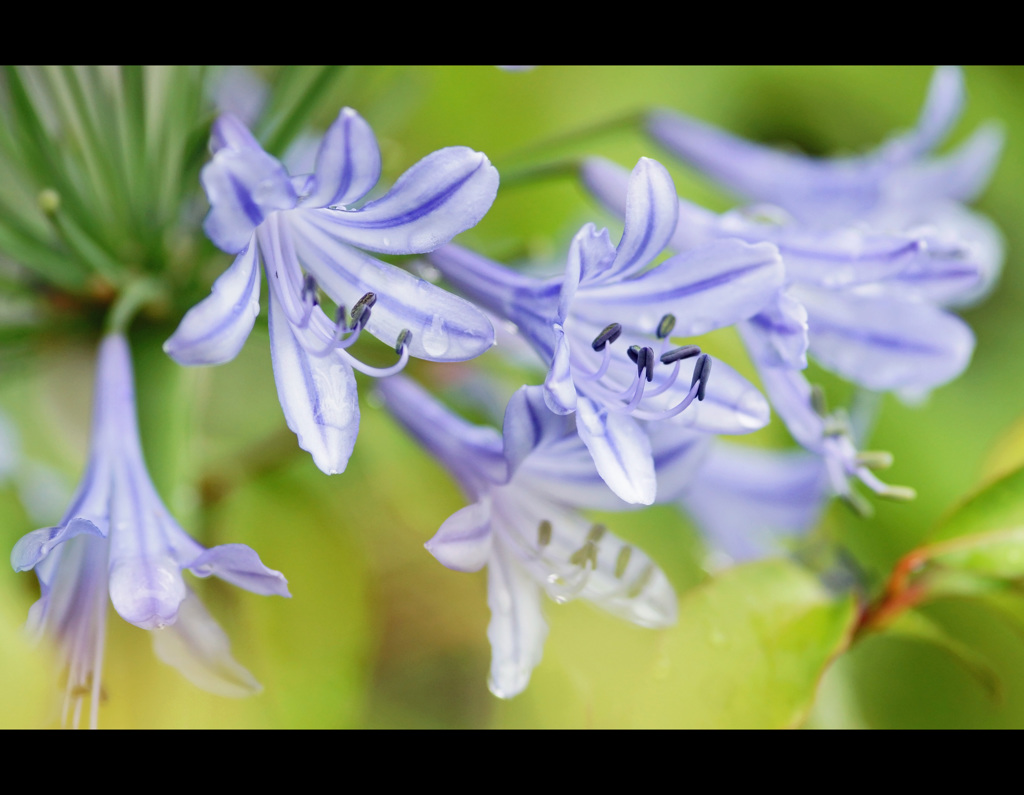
(575, 323)
(117, 537)
(307, 234)
(528, 485)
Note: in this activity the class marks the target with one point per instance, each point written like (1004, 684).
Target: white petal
(517, 630)
(317, 394)
(621, 451)
(197, 646)
(464, 541)
(215, 329)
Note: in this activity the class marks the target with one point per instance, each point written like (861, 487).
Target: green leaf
(997, 506)
(914, 625)
(749, 649)
(996, 554)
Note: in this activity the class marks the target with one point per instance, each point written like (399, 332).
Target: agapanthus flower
(308, 233)
(117, 537)
(875, 248)
(527, 486)
(873, 321)
(897, 188)
(604, 329)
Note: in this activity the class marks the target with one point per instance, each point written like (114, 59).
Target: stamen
(668, 322)
(818, 401)
(606, 358)
(544, 533)
(610, 333)
(403, 339)
(669, 382)
(637, 586)
(361, 311)
(701, 372)
(309, 290)
(858, 504)
(838, 424)
(645, 361)
(874, 459)
(587, 554)
(677, 354)
(898, 493)
(622, 561)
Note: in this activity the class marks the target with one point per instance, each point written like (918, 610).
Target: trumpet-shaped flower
(117, 537)
(604, 329)
(528, 485)
(864, 304)
(858, 310)
(896, 188)
(874, 247)
(307, 233)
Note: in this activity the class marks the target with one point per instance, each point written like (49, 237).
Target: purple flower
(747, 500)
(118, 537)
(604, 329)
(875, 319)
(308, 234)
(875, 247)
(528, 485)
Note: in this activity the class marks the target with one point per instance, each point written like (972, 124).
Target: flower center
(647, 364)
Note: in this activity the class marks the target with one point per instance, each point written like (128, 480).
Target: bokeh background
(378, 634)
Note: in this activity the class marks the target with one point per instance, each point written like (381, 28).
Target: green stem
(514, 177)
(290, 119)
(629, 121)
(136, 295)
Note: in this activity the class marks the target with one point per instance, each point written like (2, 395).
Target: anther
(837, 424)
(874, 459)
(637, 586)
(309, 290)
(361, 311)
(668, 322)
(544, 533)
(818, 401)
(676, 354)
(609, 335)
(403, 340)
(634, 353)
(701, 371)
(898, 493)
(596, 533)
(645, 361)
(622, 561)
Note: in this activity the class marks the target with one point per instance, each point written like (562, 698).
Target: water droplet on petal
(434, 337)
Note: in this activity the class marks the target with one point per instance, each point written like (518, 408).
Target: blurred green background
(379, 634)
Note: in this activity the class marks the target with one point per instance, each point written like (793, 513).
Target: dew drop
(434, 337)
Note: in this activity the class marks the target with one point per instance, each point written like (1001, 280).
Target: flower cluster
(854, 263)
(875, 248)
